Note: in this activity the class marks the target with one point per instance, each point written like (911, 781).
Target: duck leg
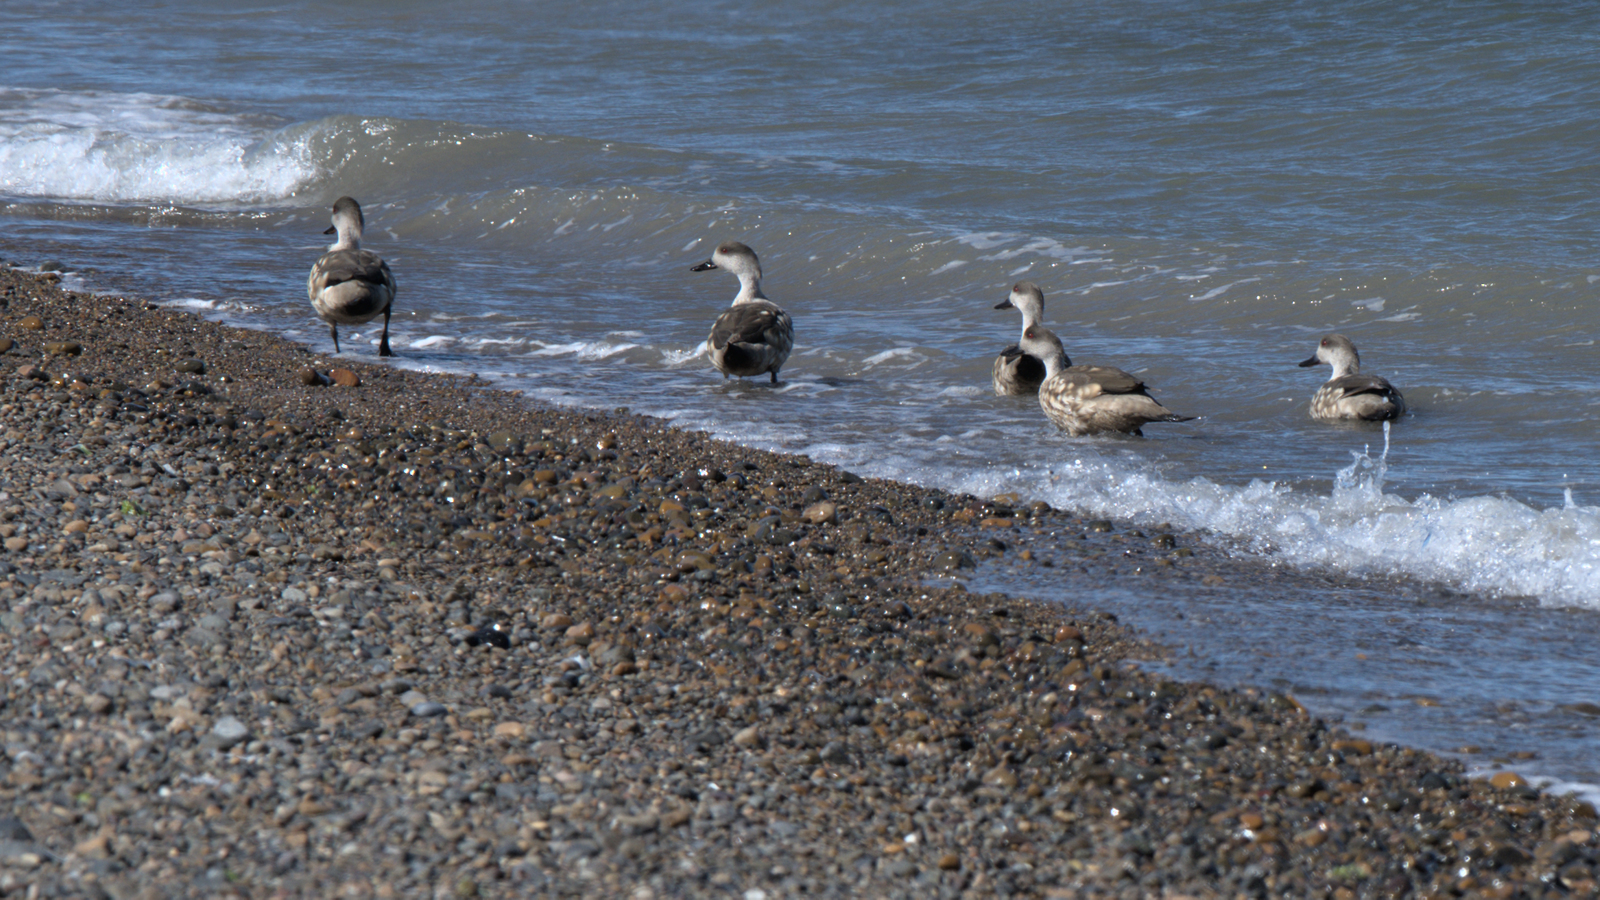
(334, 330)
(774, 374)
(383, 344)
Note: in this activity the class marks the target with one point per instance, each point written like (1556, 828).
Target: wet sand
(266, 636)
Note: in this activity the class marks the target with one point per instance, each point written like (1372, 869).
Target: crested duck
(349, 285)
(1348, 394)
(1084, 400)
(754, 335)
(1018, 374)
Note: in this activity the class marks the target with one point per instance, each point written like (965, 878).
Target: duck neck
(749, 288)
(1031, 316)
(1343, 367)
(349, 238)
(1055, 361)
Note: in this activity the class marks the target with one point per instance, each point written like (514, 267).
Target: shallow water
(1201, 189)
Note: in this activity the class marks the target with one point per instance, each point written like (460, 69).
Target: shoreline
(261, 639)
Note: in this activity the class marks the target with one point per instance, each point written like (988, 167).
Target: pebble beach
(277, 624)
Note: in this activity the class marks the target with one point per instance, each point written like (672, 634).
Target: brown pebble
(6, 345)
(949, 862)
(63, 348)
(823, 513)
(1068, 634)
(96, 703)
(31, 323)
(556, 620)
(675, 593)
(1504, 780)
(1001, 776)
(345, 378)
(312, 378)
(581, 633)
(1353, 746)
(76, 526)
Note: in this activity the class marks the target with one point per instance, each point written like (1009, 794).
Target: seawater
(1202, 189)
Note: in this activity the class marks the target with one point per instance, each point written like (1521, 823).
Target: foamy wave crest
(111, 147)
(1494, 545)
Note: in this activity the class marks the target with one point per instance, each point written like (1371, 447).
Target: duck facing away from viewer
(1348, 394)
(1084, 400)
(1019, 374)
(349, 285)
(754, 336)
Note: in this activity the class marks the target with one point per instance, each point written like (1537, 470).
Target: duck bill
(1004, 304)
(331, 230)
(708, 264)
(1309, 363)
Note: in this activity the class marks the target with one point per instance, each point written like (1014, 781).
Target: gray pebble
(428, 709)
(229, 731)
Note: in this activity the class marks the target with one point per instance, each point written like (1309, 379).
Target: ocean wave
(124, 147)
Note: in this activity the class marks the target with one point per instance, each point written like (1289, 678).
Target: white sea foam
(583, 349)
(121, 147)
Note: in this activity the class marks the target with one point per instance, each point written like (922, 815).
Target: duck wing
(752, 323)
(1351, 385)
(339, 266)
(1103, 380)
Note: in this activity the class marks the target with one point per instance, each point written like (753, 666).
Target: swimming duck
(754, 335)
(1084, 400)
(1016, 373)
(1348, 394)
(349, 285)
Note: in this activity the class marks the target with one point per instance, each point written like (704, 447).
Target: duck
(1017, 374)
(1083, 400)
(754, 336)
(1348, 394)
(349, 285)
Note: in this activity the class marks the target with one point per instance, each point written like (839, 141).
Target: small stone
(504, 443)
(1000, 776)
(1506, 780)
(31, 323)
(949, 862)
(7, 345)
(510, 730)
(345, 378)
(229, 731)
(556, 620)
(192, 367)
(428, 709)
(98, 704)
(13, 829)
(747, 737)
(63, 348)
(823, 513)
(312, 378)
(581, 634)
(76, 526)
(16, 543)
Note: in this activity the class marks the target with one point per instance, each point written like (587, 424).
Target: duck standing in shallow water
(349, 285)
(1348, 394)
(755, 335)
(1084, 400)
(1018, 374)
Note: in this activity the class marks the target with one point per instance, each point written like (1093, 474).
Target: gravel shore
(279, 624)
